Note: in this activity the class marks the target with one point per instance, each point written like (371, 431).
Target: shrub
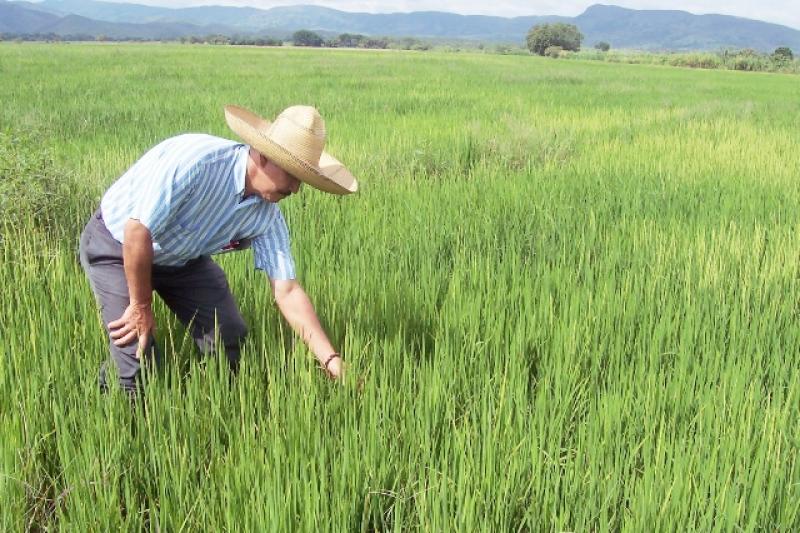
(782, 55)
(553, 51)
(603, 46)
(350, 40)
(743, 63)
(268, 42)
(375, 43)
(708, 61)
(306, 38)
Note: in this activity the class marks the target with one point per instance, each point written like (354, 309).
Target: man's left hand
(335, 369)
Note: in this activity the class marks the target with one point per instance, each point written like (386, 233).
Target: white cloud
(785, 12)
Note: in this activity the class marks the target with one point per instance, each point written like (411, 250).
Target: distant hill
(415, 24)
(16, 18)
(20, 18)
(679, 30)
(623, 28)
(77, 25)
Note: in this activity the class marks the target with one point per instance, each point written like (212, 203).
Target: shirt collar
(240, 169)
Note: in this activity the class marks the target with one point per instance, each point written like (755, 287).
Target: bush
(746, 59)
(268, 42)
(603, 46)
(218, 39)
(306, 38)
(379, 44)
(553, 51)
(744, 63)
(782, 55)
(707, 61)
(350, 40)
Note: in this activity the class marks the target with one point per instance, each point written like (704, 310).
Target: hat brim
(328, 175)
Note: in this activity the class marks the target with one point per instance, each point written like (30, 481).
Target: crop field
(567, 295)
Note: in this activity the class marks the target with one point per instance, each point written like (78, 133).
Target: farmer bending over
(192, 196)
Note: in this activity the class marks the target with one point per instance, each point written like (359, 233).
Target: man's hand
(135, 323)
(137, 320)
(335, 368)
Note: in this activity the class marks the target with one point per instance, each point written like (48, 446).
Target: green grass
(570, 290)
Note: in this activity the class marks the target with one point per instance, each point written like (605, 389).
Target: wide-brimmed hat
(295, 141)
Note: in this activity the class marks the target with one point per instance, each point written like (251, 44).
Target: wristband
(331, 357)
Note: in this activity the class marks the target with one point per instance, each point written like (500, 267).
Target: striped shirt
(189, 192)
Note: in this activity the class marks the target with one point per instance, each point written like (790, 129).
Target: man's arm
(137, 257)
(299, 312)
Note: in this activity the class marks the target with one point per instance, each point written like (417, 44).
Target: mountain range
(622, 27)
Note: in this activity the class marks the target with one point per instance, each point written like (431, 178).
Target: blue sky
(785, 12)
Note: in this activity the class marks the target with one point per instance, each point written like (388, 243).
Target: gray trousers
(198, 294)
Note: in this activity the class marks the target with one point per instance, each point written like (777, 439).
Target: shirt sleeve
(165, 180)
(272, 251)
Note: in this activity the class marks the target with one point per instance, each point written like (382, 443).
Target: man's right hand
(137, 320)
(135, 323)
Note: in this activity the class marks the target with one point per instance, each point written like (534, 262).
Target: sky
(786, 12)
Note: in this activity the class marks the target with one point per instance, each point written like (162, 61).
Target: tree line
(357, 40)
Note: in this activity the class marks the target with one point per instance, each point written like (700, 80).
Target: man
(192, 196)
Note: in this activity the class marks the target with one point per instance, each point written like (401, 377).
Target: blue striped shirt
(189, 192)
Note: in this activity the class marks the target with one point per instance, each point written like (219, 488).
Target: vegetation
(783, 54)
(543, 36)
(236, 40)
(553, 51)
(744, 60)
(34, 192)
(602, 46)
(567, 294)
(781, 60)
(350, 40)
(306, 38)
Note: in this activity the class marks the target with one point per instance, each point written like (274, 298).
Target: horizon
(771, 11)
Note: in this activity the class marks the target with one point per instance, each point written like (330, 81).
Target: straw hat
(295, 142)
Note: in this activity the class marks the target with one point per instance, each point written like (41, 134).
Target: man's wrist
(326, 363)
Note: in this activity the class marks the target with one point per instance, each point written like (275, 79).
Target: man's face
(268, 180)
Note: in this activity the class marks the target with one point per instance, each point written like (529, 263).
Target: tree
(406, 43)
(306, 38)
(217, 38)
(375, 43)
(603, 46)
(783, 53)
(543, 36)
(350, 40)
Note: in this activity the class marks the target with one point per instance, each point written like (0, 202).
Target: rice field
(567, 295)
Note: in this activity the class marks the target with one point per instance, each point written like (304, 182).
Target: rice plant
(566, 294)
